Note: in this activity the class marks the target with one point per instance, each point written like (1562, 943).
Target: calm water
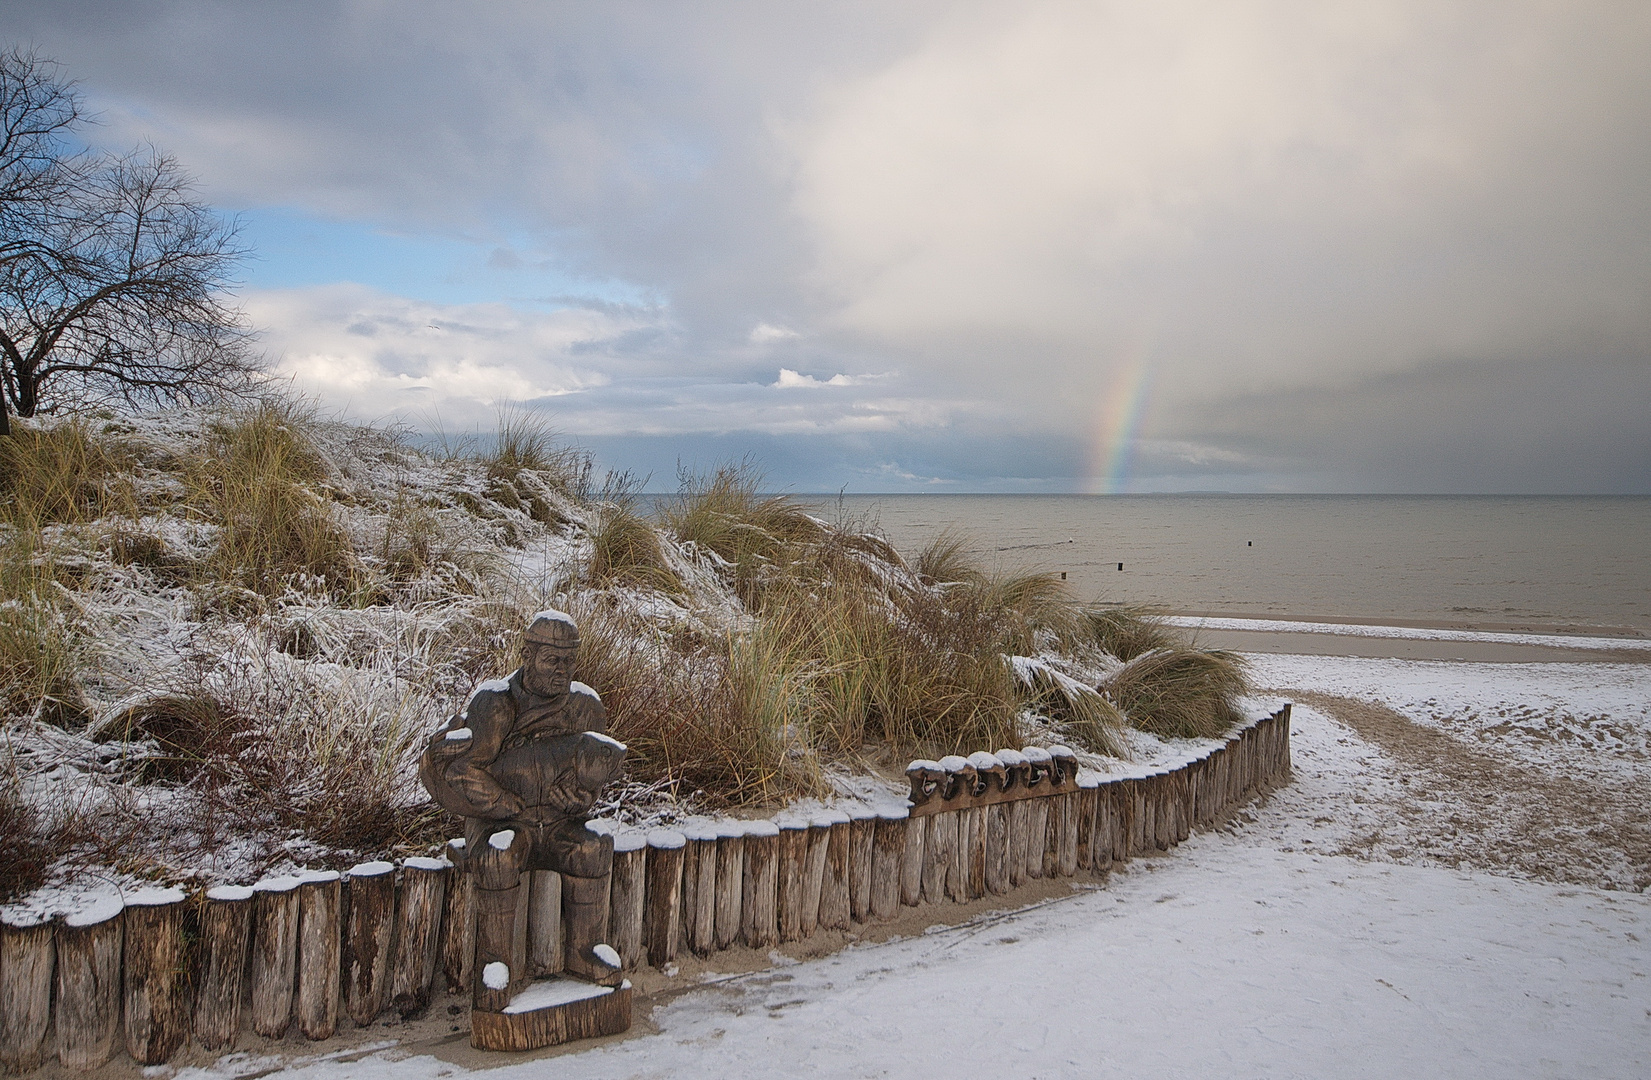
(1546, 562)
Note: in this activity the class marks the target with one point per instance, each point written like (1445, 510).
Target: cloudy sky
(895, 246)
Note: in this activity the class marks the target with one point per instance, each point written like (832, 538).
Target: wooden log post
(418, 933)
(730, 888)
(545, 953)
(1052, 837)
(997, 849)
(699, 889)
(911, 866)
(627, 898)
(155, 980)
(836, 903)
(888, 857)
(1088, 800)
(1018, 829)
(368, 944)
(1163, 805)
(320, 941)
(862, 825)
(26, 961)
(793, 877)
(940, 879)
(972, 832)
(274, 955)
(814, 871)
(458, 924)
(663, 922)
(1037, 833)
(759, 911)
(88, 970)
(1066, 846)
(220, 988)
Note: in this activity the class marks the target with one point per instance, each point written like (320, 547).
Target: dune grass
(1177, 691)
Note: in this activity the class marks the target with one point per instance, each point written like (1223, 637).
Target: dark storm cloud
(1385, 246)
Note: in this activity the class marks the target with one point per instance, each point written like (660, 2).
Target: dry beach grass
(225, 635)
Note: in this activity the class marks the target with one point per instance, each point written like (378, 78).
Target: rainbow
(1118, 424)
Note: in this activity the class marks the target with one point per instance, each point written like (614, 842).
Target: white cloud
(765, 333)
(378, 354)
(790, 380)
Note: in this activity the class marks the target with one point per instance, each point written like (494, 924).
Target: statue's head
(548, 649)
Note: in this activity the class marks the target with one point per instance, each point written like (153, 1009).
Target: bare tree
(113, 275)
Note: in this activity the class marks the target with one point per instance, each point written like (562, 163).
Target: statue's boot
(585, 914)
(495, 943)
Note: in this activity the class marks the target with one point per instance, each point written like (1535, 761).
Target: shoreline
(1414, 640)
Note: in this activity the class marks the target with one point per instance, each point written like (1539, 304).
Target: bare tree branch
(114, 276)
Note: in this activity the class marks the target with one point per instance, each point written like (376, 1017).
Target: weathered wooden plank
(627, 898)
(88, 978)
(888, 856)
(26, 961)
(1037, 832)
(997, 849)
(699, 889)
(940, 879)
(368, 942)
(759, 900)
(836, 904)
(274, 954)
(319, 953)
(861, 826)
(418, 933)
(220, 989)
(814, 872)
(664, 900)
(155, 979)
(1019, 831)
(606, 1012)
(544, 923)
(972, 833)
(1066, 840)
(1087, 797)
(458, 925)
(911, 866)
(793, 877)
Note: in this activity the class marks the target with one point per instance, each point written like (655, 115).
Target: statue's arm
(489, 718)
(586, 711)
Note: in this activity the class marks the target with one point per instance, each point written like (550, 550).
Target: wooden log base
(601, 1010)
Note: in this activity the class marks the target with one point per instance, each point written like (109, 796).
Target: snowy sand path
(1246, 952)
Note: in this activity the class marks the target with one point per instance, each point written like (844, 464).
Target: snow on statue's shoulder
(577, 687)
(459, 734)
(609, 739)
(492, 686)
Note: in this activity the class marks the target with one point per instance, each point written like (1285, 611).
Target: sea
(1569, 564)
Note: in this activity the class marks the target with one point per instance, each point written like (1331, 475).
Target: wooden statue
(522, 766)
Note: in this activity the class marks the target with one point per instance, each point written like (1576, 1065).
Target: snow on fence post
(888, 857)
(367, 943)
(26, 954)
(627, 898)
(759, 915)
(699, 889)
(862, 823)
(274, 954)
(220, 988)
(814, 871)
(836, 906)
(418, 932)
(319, 953)
(664, 900)
(458, 923)
(793, 874)
(911, 863)
(156, 976)
(87, 1012)
(729, 885)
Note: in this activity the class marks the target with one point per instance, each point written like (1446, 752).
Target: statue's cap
(552, 627)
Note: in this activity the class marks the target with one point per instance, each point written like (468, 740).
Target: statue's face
(546, 670)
